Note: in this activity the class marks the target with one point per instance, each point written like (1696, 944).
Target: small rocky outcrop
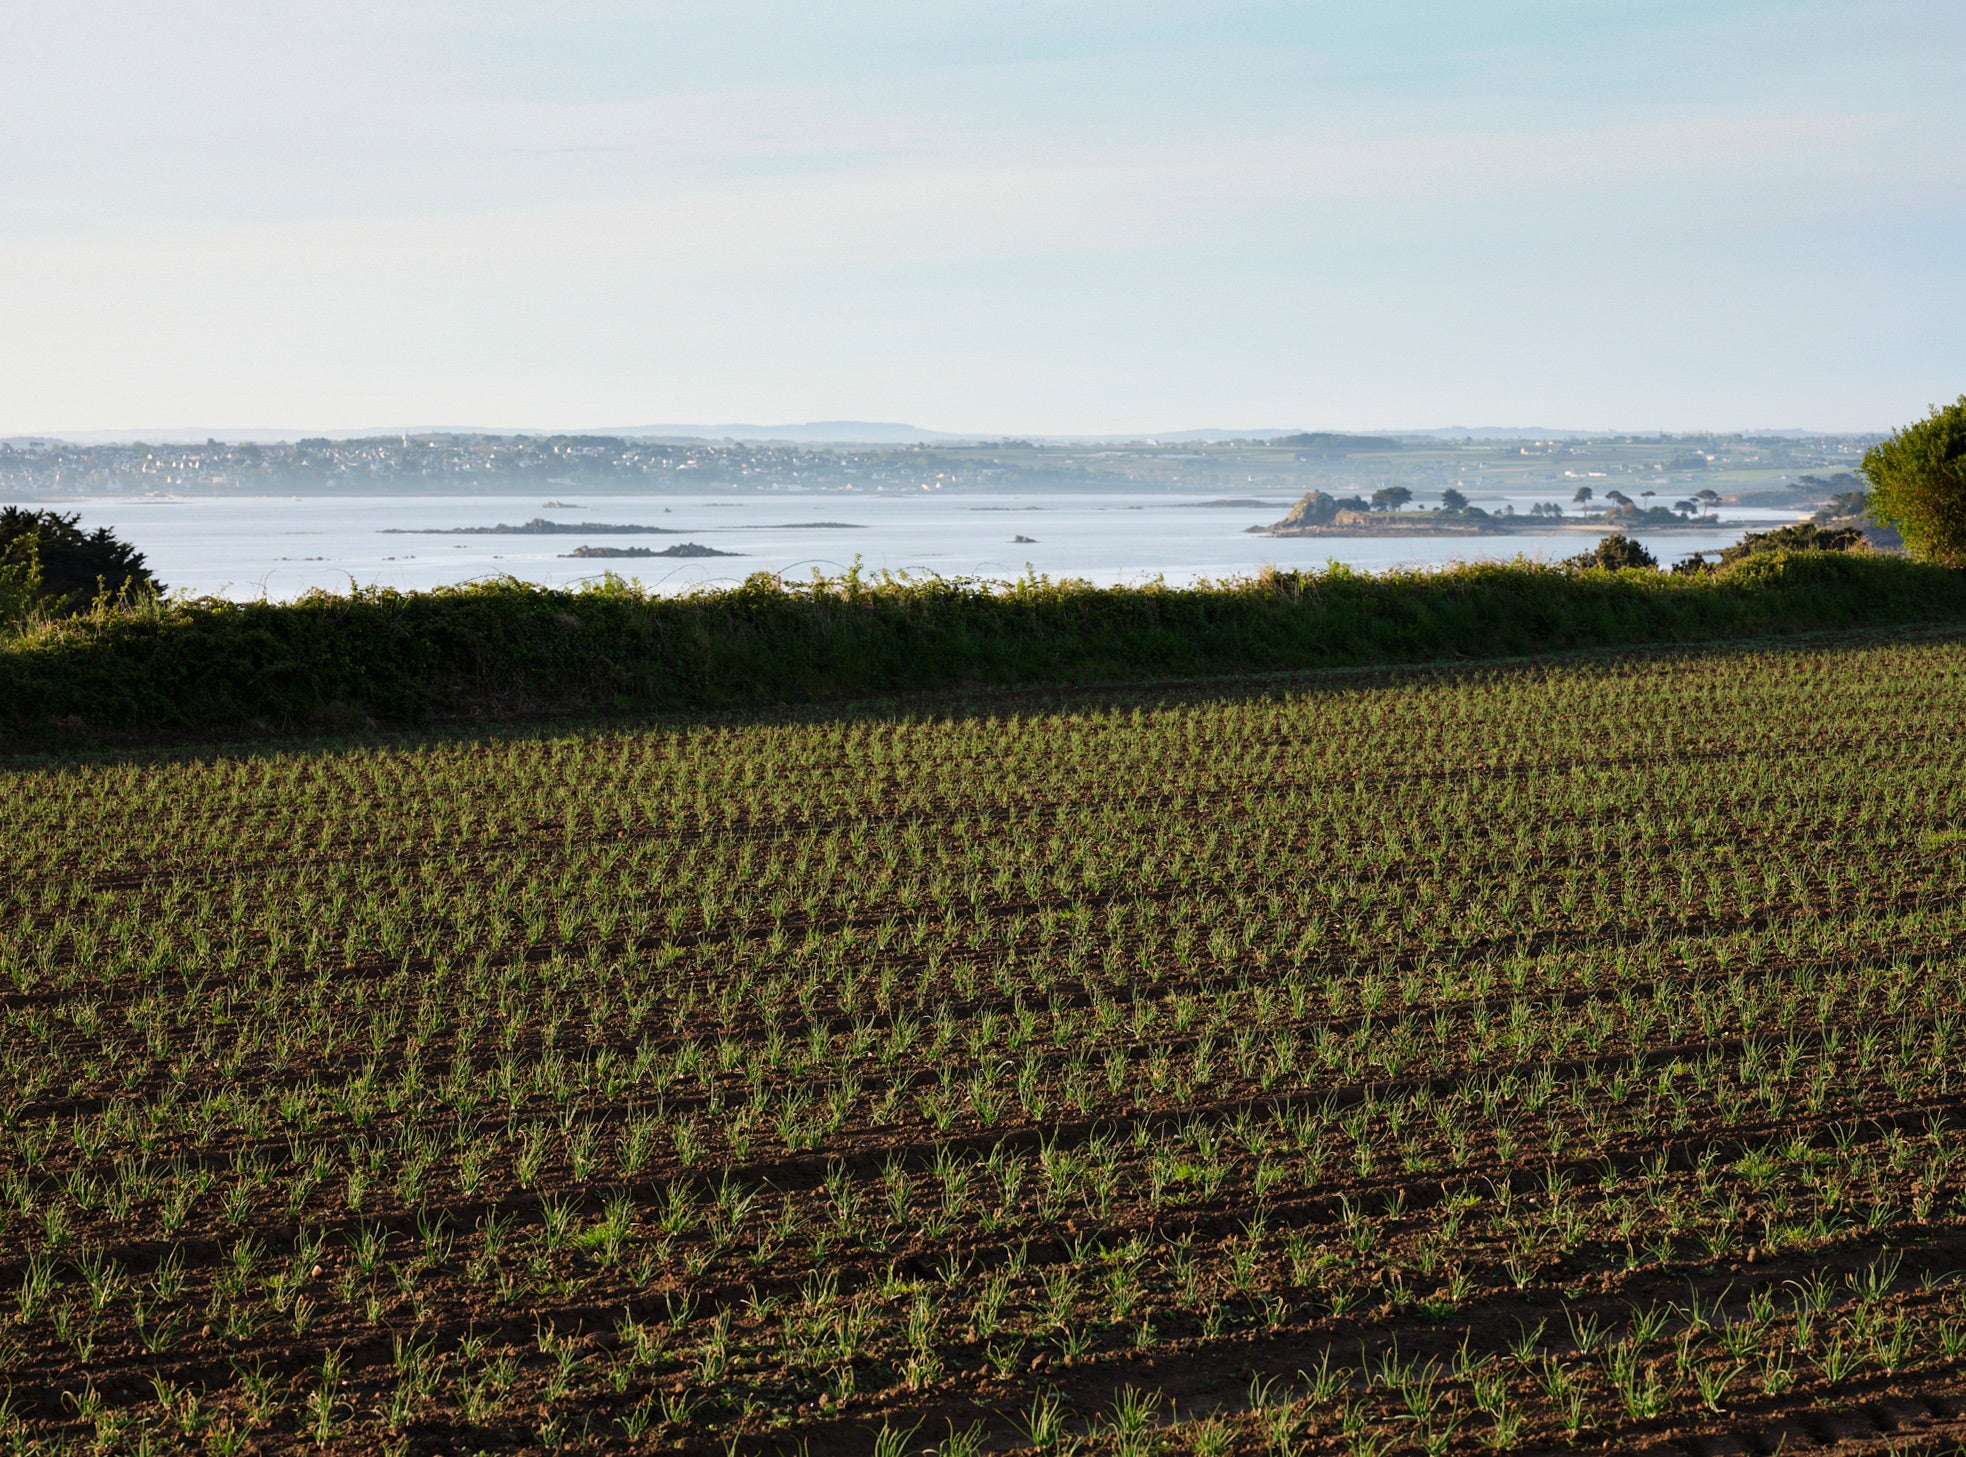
(681, 549)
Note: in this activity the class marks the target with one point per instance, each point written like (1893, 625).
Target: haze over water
(246, 546)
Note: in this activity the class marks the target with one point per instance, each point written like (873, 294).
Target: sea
(279, 547)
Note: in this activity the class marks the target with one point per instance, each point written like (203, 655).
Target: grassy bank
(505, 647)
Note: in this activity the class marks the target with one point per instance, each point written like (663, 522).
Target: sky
(988, 215)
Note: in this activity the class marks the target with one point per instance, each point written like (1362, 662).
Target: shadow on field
(75, 742)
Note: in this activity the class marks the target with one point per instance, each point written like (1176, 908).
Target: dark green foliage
(1918, 484)
(1614, 553)
(503, 648)
(74, 566)
(1797, 536)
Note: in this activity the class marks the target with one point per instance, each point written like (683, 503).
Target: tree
(68, 568)
(1390, 498)
(1918, 484)
(1582, 495)
(1453, 500)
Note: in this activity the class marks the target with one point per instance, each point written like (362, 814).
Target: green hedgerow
(504, 648)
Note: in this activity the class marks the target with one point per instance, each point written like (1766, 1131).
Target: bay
(249, 546)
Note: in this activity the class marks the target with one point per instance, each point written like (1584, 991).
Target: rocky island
(1319, 514)
(680, 549)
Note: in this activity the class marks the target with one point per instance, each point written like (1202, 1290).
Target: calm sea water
(279, 547)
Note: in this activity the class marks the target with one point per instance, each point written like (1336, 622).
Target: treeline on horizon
(501, 649)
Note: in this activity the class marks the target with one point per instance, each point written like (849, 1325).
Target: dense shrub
(1614, 553)
(1796, 536)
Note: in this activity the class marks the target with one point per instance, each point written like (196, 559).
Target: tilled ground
(1528, 1059)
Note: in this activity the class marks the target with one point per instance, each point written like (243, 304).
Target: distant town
(1741, 469)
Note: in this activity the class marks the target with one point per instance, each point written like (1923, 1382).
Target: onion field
(1528, 1057)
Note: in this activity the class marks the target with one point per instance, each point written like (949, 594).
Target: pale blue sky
(996, 216)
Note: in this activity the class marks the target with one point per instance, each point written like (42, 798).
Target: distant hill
(1507, 432)
(813, 432)
(1322, 442)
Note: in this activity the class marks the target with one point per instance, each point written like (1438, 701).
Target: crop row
(1431, 1062)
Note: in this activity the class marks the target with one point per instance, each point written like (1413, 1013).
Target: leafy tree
(1614, 553)
(1583, 494)
(1453, 500)
(1918, 484)
(62, 568)
(1390, 498)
